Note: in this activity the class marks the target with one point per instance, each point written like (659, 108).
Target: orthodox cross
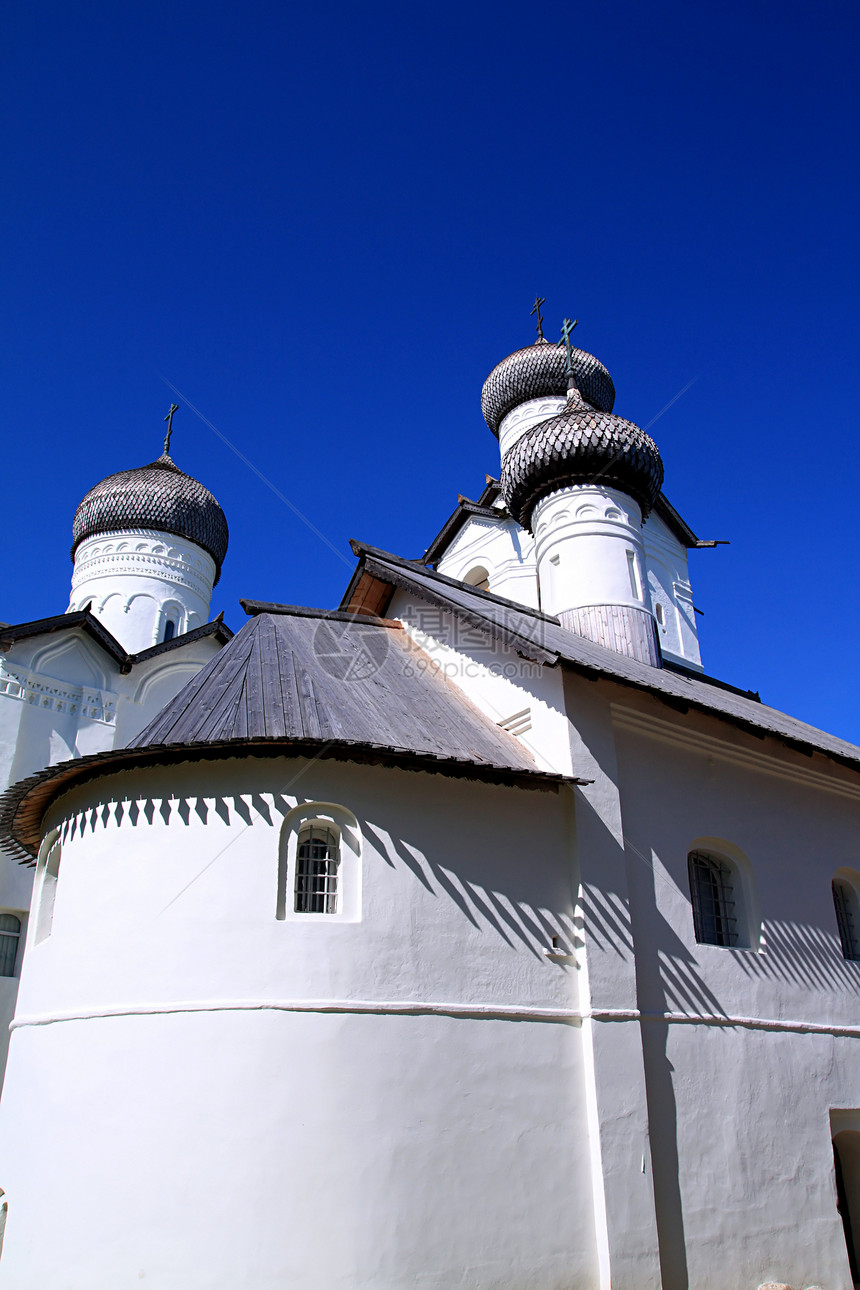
(566, 328)
(174, 407)
(539, 300)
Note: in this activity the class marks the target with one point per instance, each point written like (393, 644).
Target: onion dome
(539, 370)
(157, 496)
(580, 446)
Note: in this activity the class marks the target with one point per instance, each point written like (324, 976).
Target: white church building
(467, 936)
(148, 545)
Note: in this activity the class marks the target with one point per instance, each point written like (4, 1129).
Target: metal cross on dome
(566, 328)
(535, 309)
(174, 407)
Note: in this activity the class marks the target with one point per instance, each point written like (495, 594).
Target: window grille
(844, 901)
(10, 935)
(711, 891)
(317, 862)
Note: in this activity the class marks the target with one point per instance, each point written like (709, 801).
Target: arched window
(714, 890)
(478, 578)
(10, 937)
(317, 869)
(319, 864)
(169, 630)
(846, 905)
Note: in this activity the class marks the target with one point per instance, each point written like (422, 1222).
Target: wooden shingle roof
(303, 683)
(310, 674)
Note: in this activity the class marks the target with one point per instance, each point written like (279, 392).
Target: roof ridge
(255, 608)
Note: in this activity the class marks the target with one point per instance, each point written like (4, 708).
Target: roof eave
(24, 805)
(217, 628)
(370, 566)
(84, 621)
(670, 517)
(466, 510)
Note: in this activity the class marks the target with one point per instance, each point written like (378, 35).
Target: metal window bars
(712, 895)
(843, 902)
(317, 863)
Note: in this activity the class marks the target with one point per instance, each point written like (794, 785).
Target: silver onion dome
(538, 371)
(580, 446)
(157, 496)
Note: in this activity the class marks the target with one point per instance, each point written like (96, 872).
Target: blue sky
(326, 224)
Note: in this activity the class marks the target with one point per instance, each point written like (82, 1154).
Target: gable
(74, 660)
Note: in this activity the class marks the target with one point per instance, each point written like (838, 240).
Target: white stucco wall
(748, 1051)
(521, 696)
(389, 1100)
(62, 696)
(501, 547)
(565, 723)
(698, 1110)
(668, 574)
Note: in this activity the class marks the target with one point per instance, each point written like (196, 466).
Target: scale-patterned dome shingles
(538, 371)
(157, 496)
(581, 446)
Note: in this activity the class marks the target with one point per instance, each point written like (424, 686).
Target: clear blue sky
(325, 224)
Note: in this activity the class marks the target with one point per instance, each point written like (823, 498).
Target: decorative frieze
(145, 552)
(57, 696)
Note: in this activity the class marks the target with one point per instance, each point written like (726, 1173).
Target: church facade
(469, 934)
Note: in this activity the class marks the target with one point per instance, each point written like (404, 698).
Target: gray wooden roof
(538, 636)
(301, 682)
(309, 674)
